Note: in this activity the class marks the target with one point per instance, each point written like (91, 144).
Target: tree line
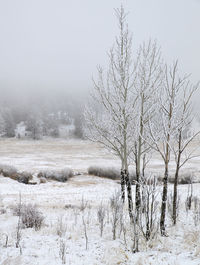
(40, 121)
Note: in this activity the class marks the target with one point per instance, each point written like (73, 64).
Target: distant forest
(39, 114)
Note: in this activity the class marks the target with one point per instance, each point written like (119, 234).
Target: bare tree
(113, 125)
(148, 81)
(9, 123)
(184, 137)
(34, 124)
(165, 126)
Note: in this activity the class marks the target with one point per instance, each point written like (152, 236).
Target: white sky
(57, 44)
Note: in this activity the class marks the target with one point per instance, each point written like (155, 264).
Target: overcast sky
(57, 44)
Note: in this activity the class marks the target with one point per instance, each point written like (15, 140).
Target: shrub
(18, 209)
(116, 206)
(8, 171)
(62, 175)
(62, 252)
(24, 177)
(108, 172)
(196, 211)
(186, 178)
(30, 216)
(101, 213)
(2, 211)
(43, 180)
(71, 206)
(148, 220)
(11, 172)
(61, 227)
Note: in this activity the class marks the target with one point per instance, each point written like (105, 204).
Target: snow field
(63, 201)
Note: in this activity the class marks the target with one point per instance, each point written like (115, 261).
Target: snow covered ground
(33, 155)
(64, 201)
(53, 153)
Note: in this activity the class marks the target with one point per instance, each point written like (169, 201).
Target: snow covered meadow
(70, 233)
(130, 193)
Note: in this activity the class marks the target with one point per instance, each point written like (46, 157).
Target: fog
(52, 47)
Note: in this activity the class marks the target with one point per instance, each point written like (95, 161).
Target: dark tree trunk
(122, 185)
(148, 217)
(175, 196)
(137, 194)
(138, 161)
(174, 216)
(137, 186)
(129, 194)
(164, 202)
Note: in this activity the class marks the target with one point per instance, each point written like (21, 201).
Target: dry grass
(59, 153)
(191, 238)
(197, 251)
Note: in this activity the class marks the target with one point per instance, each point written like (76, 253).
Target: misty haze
(99, 132)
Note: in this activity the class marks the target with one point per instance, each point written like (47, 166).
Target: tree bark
(175, 197)
(174, 215)
(137, 194)
(138, 162)
(129, 195)
(175, 189)
(164, 201)
(122, 185)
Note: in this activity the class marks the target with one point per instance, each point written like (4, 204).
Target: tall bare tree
(148, 82)
(110, 116)
(184, 137)
(165, 126)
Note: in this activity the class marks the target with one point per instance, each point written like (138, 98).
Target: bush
(186, 178)
(62, 175)
(2, 211)
(24, 177)
(71, 206)
(18, 209)
(108, 172)
(30, 216)
(8, 171)
(11, 172)
(61, 227)
(43, 180)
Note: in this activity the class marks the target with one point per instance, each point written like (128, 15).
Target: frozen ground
(42, 247)
(79, 155)
(52, 153)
